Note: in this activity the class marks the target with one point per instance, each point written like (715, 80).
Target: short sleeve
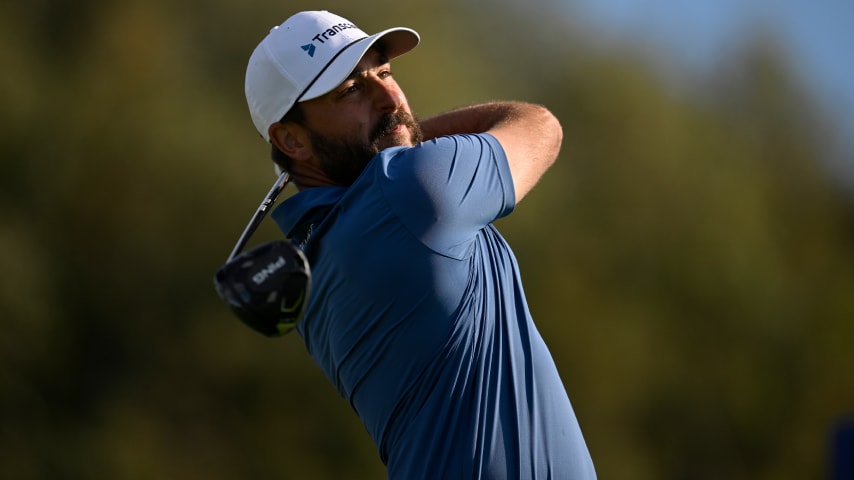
(447, 189)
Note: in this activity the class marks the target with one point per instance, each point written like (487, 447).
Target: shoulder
(447, 170)
(440, 155)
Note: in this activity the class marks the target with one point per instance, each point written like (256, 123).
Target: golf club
(267, 287)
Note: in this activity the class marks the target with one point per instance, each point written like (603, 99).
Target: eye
(384, 73)
(348, 89)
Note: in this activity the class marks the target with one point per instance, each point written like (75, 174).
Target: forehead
(374, 57)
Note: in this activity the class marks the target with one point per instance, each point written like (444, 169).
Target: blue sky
(819, 35)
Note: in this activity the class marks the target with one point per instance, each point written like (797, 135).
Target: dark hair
(294, 115)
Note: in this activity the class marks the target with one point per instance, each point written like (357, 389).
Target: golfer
(417, 313)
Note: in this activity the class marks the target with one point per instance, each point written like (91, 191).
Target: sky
(818, 34)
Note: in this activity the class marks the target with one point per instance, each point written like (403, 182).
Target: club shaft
(260, 213)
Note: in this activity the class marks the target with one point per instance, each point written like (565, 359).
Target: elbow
(552, 133)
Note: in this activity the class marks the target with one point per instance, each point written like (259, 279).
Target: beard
(343, 159)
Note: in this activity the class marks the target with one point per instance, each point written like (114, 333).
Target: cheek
(353, 121)
(342, 126)
(346, 122)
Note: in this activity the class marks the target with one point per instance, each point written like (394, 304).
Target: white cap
(306, 57)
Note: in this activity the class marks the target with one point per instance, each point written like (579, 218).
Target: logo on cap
(309, 48)
(325, 35)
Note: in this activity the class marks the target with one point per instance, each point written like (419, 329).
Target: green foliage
(687, 259)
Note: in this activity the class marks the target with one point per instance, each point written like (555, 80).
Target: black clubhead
(267, 287)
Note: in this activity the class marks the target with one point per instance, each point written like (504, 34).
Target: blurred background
(689, 259)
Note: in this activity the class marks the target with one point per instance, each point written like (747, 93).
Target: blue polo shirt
(417, 316)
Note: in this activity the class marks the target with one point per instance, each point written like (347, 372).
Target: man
(417, 313)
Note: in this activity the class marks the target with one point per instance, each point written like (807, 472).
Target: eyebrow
(381, 59)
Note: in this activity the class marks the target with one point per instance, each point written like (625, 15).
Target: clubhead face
(267, 287)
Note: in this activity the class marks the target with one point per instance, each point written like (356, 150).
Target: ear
(291, 139)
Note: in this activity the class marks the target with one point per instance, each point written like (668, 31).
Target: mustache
(389, 121)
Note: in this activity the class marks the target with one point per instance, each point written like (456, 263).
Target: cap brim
(396, 42)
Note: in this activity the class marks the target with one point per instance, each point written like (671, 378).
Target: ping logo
(309, 49)
(270, 269)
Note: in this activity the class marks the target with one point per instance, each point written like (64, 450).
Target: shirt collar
(298, 213)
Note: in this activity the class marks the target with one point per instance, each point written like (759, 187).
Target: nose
(386, 95)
